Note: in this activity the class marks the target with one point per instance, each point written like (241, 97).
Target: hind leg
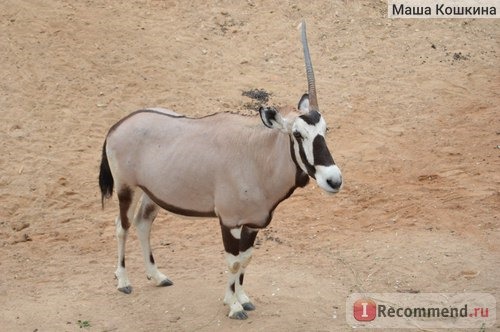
(144, 218)
(127, 200)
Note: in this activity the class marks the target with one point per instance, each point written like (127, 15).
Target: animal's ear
(271, 117)
(304, 104)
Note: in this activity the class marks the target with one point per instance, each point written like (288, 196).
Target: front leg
(231, 239)
(247, 240)
(238, 243)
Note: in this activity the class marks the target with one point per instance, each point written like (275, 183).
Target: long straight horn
(311, 86)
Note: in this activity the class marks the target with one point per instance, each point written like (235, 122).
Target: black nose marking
(334, 184)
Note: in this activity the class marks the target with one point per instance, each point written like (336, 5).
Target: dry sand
(413, 107)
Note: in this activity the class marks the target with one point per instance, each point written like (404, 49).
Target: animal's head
(307, 130)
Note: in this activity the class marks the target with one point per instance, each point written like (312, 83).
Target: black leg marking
(122, 263)
(231, 244)
(125, 200)
(241, 278)
(301, 178)
(148, 211)
(232, 287)
(151, 258)
(247, 238)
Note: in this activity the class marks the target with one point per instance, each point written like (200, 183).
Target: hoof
(126, 290)
(165, 283)
(248, 306)
(240, 315)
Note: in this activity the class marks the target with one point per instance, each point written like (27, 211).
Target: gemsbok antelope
(224, 165)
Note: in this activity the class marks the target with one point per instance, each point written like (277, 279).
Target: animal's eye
(297, 135)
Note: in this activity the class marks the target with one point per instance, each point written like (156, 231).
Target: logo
(421, 310)
(364, 310)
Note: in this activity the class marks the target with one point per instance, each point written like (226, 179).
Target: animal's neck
(284, 172)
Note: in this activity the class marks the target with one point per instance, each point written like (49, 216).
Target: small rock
(20, 226)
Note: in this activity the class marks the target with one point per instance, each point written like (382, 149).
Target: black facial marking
(297, 135)
(311, 118)
(125, 199)
(301, 178)
(231, 244)
(232, 287)
(322, 156)
(151, 258)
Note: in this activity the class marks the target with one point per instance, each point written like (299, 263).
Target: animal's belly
(181, 204)
(181, 187)
(180, 193)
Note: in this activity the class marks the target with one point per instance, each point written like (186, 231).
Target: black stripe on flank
(311, 118)
(176, 209)
(322, 156)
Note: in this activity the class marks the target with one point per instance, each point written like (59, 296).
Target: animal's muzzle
(335, 184)
(329, 178)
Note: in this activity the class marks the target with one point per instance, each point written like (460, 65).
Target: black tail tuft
(105, 177)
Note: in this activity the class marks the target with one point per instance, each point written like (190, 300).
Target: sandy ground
(414, 110)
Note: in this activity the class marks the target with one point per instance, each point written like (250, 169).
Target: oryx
(223, 165)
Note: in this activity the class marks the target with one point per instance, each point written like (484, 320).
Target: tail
(106, 181)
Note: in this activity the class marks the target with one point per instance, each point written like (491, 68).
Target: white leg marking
(236, 233)
(121, 273)
(230, 297)
(121, 235)
(244, 259)
(143, 221)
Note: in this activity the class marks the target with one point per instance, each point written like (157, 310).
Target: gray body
(202, 167)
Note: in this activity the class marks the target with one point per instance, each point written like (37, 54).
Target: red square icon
(364, 310)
